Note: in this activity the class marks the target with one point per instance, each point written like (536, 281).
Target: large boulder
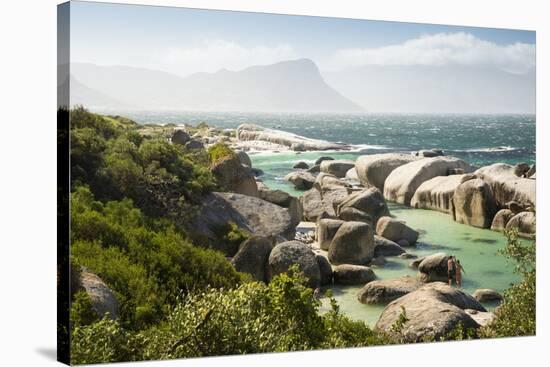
(244, 158)
(301, 180)
(385, 247)
(325, 269)
(337, 167)
(252, 257)
(373, 169)
(437, 193)
(180, 137)
(319, 160)
(433, 268)
(474, 203)
(370, 201)
(351, 175)
(284, 199)
(251, 132)
(507, 186)
(286, 254)
(326, 230)
(348, 274)
(351, 214)
(104, 302)
(352, 244)
(251, 214)
(233, 176)
(524, 222)
(316, 205)
(301, 165)
(432, 311)
(402, 182)
(487, 295)
(396, 230)
(502, 217)
(385, 291)
(327, 182)
(194, 144)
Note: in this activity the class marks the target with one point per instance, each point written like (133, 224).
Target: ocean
(478, 139)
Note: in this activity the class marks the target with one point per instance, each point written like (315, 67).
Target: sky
(185, 41)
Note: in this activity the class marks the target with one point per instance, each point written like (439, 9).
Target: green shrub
(82, 312)
(220, 150)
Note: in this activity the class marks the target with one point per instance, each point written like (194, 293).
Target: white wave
(488, 150)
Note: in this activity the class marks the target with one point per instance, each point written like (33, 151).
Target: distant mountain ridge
(288, 86)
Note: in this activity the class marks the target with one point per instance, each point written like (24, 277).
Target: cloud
(440, 49)
(213, 55)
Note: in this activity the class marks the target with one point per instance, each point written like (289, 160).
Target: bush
(220, 150)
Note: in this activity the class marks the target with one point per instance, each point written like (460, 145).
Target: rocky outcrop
(301, 180)
(385, 247)
(233, 176)
(286, 254)
(437, 193)
(249, 132)
(326, 230)
(507, 186)
(351, 214)
(179, 137)
(433, 311)
(301, 165)
(325, 269)
(501, 219)
(385, 291)
(327, 182)
(396, 230)
(433, 268)
(351, 175)
(252, 257)
(474, 203)
(402, 182)
(373, 169)
(370, 201)
(487, 295)
(524, 222)
(352, 244)
(348, 274)
(337, 167)
(316, 205)
(194, 144)
(244, 158)
(103, 299)
(251, 214)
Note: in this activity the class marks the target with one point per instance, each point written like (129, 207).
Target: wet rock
(301, 165)
(385, 247)
(433, 268)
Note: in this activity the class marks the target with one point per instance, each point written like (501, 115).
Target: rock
(385, 247)
(338, 167)
(433, 311)
(437, 193)
(251, 132)
(482, 318)
(348, 274)
(531, 171)
(474, 203)
(351, 174)
(395, 230)
(301, 165)
(433, 268)
(521, 169)
(251, 214)
(506, 186)
(321, 159)
(256, 171)
(402, 182)
(102, 298)
(325, 269)
(316, 205)
(244, 158)
(524, 222)
(351, 214)
(352, 244)
(314, 169)
(501, 219)
(326, 182)
(385, 291)
(370, 201)
(487, 295)
(326, 230)
(515, 207)
(285, 254)
(284, 199)
(415, 263)
(407, 255)
(403, 243)
(301, 180)
(372, 170)
(429, 153)
(194, 144)
(180, 137)
(252, 257)
(234, 177)
(378, 261)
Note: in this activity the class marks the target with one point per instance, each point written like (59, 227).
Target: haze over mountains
(299, 86)
(288, 86)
